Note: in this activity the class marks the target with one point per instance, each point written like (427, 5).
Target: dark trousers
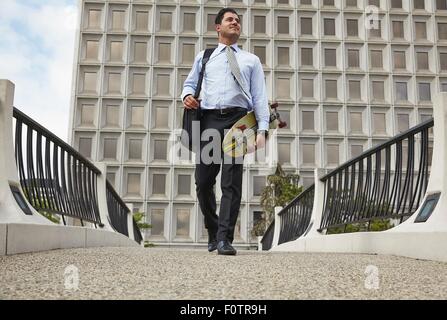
(231, 180)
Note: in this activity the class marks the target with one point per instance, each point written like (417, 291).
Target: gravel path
(162, 273)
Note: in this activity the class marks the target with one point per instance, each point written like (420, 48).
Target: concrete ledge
(22, 238)
(418, 245)
(100, 238)
(3, 235)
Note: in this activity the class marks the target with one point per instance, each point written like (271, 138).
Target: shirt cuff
(263, 126)
(185, 93)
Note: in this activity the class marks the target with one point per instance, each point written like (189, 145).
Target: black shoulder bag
(192, 115)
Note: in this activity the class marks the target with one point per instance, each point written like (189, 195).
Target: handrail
(267, 239)
(295, 217)
(54, 177)
(378, 184)
(118, 210)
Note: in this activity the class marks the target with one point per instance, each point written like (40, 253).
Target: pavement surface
(168, 273)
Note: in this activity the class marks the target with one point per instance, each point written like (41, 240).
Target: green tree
(139, 220)
(281, 188)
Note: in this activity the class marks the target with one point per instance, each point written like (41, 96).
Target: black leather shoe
(212, 245)
(225, 248)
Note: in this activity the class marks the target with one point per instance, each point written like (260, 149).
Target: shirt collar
(223, 46)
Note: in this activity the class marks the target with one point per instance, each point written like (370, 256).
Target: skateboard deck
(243, 132)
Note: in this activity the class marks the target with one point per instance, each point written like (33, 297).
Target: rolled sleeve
(259, 96)
(190, 85)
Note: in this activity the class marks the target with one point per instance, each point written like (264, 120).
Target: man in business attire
(233, 84)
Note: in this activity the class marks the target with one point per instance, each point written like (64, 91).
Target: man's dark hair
(221, 14)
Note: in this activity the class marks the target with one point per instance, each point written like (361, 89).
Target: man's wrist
(262, 132)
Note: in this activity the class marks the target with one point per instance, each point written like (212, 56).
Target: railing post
(277, 227)
(10, 211)
(102, 196)
(318, 205)
(130, 221)
(437, 182)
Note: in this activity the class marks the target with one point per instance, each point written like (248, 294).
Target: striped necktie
(235, 69)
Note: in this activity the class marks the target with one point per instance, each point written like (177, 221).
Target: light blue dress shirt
(220, 89)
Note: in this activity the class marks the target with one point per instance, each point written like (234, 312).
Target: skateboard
(243, 132)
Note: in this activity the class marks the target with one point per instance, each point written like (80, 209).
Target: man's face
(230, 26)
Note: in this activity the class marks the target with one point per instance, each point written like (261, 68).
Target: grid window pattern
(334, 77)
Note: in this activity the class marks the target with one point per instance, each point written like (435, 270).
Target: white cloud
(37, 40)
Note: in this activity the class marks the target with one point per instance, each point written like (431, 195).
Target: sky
(37, 41)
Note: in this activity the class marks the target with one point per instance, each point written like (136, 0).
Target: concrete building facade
(348, 74)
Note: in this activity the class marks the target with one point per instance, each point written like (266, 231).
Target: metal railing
(137, 232)
(54, 177)
(267, 239)
(295, 217)
(385, 182)
(118, 210)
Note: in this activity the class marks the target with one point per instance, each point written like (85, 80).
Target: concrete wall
(21, 238)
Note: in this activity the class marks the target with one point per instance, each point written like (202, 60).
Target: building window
(354, 89)
(332, 154)
(306, 57)
(419, 4)
(163, 84)
(110, 145)
(135, 149)
(87, 114)
(442, 31)
(356, 150)
(112, 115)
(260, 51)
(260, 24)
(401, 91)
(403, 122)
(210, 22)
(133, 184)
(189, 22)
(331, 89)
(355, 119)
(330, 57)
(85, 147)
(89, 82)
(307, 88)
(283, 88)
(137, 116)
(158, 184)
(160, 149)
(139, 83)
(424, 91)
(184, 184)
(422, 60)
(376, 59)
(332, 121)
(308, 120)
(284, 153)
(283, 25)
(353, 58)
(378, 90)
(399, 60)
(165, 21)
(118, 20)
(308, 154)
(379, 123)
(161, 118)
(92, 49)
(258, 185)
(329, 27)
(182, 222)
(116, 51)
(140, 52)
(94, 19)
(283, 56)
(443, 60)
(157, 222)
(352, 27)
(396, 4)
(306, 26)
(188, 53)
(421, 30)
(142, 20)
